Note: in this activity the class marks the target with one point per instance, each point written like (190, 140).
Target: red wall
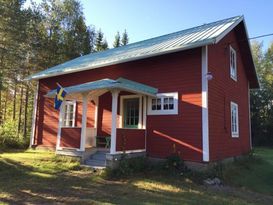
(179, 72)
(130, 139)
(223, 90)
(90, 114)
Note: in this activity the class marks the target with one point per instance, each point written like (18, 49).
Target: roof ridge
(180, 31)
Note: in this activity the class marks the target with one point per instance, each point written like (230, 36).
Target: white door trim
(122, 98)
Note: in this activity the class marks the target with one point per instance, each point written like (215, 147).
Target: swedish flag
(60, 94)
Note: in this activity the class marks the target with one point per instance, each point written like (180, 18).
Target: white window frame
(122, 98)
(65, 103)
(174, 111)
(233, 51)
(233, 105)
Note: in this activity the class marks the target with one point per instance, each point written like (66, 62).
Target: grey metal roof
(205, 34)
(108, 84)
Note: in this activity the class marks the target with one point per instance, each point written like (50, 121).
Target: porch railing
(71, 137)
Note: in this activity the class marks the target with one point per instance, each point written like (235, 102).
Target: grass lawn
(39, 177)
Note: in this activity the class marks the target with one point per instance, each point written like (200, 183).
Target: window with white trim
(69, 111)
(163, 104)
(234, 119)
(233, 64)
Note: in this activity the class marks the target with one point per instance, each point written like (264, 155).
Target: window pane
(171, 103)
(158, 103)
(153, 104)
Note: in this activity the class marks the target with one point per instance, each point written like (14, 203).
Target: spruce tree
(100, 43)
(117, 42)
(125, 38)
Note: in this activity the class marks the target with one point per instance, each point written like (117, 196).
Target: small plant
(175, 163)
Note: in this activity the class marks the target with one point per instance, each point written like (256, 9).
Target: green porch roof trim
(205, 34)
(108, 84)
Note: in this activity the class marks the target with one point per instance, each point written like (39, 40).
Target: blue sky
(149, 18)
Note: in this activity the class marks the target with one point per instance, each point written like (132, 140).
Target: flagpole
(61, 86)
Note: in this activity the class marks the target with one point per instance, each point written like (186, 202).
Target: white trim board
(34, 115)
(205, 113)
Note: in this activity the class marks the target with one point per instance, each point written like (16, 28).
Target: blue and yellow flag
(60, 94)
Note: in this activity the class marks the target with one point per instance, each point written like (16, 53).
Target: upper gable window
(163, 104)
(233, 64)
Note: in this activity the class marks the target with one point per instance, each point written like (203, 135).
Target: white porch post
(60, 126)
(114, 121)
(84, 119)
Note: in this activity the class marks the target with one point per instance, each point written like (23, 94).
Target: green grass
(255, 173)
(37, 177)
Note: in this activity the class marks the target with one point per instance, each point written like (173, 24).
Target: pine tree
(125, 38)
(117, 41)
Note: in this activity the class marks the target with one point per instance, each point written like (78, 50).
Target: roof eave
(196, 45)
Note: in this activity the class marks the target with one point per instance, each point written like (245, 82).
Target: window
(69, 113)
(234, 120)
(163, 104)
(233, 64)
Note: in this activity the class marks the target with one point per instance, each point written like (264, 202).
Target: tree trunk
(1, 113)
(14, 101)
(20, 110)
(26, 112)
(5, 105)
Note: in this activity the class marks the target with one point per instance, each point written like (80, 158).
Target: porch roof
(105, 85)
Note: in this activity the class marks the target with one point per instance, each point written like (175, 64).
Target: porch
(126, 128)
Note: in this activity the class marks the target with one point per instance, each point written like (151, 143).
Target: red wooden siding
(177, 72)
(90, 114)
(223, 90)
(105, 115)
(71, 137)
(130, 139)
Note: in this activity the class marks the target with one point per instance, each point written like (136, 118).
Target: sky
(145, 19)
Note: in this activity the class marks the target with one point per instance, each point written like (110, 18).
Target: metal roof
(105, 85)
(205, 34)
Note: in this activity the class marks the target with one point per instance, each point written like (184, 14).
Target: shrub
(9, 137)
(128, 166)
(175, 165)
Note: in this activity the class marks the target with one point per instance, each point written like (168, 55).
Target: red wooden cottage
(186, 92)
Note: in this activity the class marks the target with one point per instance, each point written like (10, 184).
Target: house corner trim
(34, 116)
(205, 114)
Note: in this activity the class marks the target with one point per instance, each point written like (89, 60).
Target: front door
(131, 113)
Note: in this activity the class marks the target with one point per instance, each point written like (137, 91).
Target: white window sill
(233, 78)
(235, 135)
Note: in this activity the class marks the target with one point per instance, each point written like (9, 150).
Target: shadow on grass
(26, 184)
